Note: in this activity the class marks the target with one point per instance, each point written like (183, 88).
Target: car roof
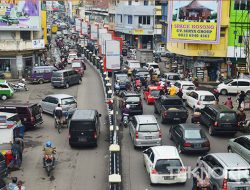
(81, 114)
(170, 73)
(165, 152)
(221, 108)
(121, 74)
(43, 67)
(60, 96)
(231, 160)
(245, 79)
(7, 114)
(142, 119)
(183, 82)
(62, 71)
(202, 92)
(127, 94)
(17, 105)
(189, 126)
(133, 61)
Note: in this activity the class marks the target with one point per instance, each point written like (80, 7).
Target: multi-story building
(21, 37)
(137, 21)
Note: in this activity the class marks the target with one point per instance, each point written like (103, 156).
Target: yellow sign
(197, 31)
(138, 31)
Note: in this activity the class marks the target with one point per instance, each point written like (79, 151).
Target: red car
(151, 94)
(77, 66)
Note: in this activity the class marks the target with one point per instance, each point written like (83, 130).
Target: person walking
(13, 184)
(180, 93)
(217, 95)
(241, 98)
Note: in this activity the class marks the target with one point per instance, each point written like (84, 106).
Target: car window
(194, 134)
(243, 142)
(188, 87)
(65, 74)
(132, 99)
(47, 99)
(227, 117)
(210, 112)
(207, 98)
(155, 93)
(134, 122)
(53, 100)
(194, 95)
(234, 83)
(81, 125)
(76, 64)
(167, 166)
(178, 85)
(178, 131)
(214, 164)
(148, 128)
(148, 152)
(239, 175)
(68, 101)
(57, 74)
(3, 86)
(243, 83)
(152, 157)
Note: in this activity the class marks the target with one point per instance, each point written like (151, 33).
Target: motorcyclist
(49, 151)
(241, 116)
(125, 112)
(172, 90)
(58, 113)
(137, 82)
(229, 103)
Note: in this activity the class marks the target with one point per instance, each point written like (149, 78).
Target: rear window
(207, 98)
(132, 99)
(167, 166)
(194, 134)
(227, 117)
(155, 66)
(76, 64)
(35, 110)
(148, 128)
(56, 74)
(173, 77)
(134, 65)
(155, 93)
(81, 125)
(22, 110)
(122, 78)
(239, 175)
(175, 102)
(67, 101)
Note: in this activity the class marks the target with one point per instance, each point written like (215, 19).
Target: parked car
(151, 94)
(124, 95)
(227, 170)
(65, 78)
(164, 165)
(145, 131)
(219, 119)
(50, 102)
(40, 74)
(234, 86)
(198, 99)
(185, 86)
(6, 91)
(189, 138)
(241, 146)
(3, 185)
(71, 57)
(171, 77)
(77, 66)
(28, 113)
(84, 128)
(170, 108)
(3, 167)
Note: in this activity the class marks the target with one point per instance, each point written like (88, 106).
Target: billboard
(112, 54)
(84, 28)
(105, 37)
(78, 22)
(194, 21)
(93, 31)
(20, 15)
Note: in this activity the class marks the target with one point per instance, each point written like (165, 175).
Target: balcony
(16, 45)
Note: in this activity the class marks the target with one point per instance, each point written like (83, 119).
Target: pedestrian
(16, 152)
(20, 186)
(229, 103)
(216, 94)
(241, 98)
(13, 184)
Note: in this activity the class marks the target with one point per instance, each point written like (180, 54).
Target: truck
(144, 56)
(171, 108)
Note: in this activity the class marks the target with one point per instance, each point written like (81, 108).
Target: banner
(78, 22)
(194, 21)
(38, 44)
(112, 54)
(20, 15)
(93, 31)
(105, 37)
(84, 28)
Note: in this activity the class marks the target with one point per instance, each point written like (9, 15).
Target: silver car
(225, 171)
(241, 146)
(145, 131)
(50, 102)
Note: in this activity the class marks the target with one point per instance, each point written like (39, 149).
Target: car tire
(40, 81)
(67, 85)
(224, 92)
(211, 131)
(4, 97)
(229, 149)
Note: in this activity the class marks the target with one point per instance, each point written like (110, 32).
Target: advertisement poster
(194, 21)
(112, 54)
(93, 32)
(105, 37)
(78, 24)
(20, 15)
(84, 28)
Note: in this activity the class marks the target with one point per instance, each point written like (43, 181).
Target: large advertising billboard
(112, 54)
(20, 15)
(194, 21)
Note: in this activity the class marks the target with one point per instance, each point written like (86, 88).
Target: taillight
(136, 135)
(206, 144)
(153, 171)
(160, 134)
(182, 170)
(95, 135)
(187, 144)
(216, 124)
(224, 184)
(165, 114)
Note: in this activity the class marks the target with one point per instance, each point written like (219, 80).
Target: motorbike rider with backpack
(125, 112)
(49, 151)
(58, 114)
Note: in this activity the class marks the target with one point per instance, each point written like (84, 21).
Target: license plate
(241, 188)
(168, 177)
(197, 145)
(148, 137)
(82, 139)
(176, 119)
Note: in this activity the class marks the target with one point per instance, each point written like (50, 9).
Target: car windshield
(155, 93)
(207, 98)
(68, 101)
(142, 73)
(57, 74)
(122, 78)
(239, 175)
(228, 117)
(35, 109)
(81, 125)
(168, 166)
(134, 65)
(173, 77)
(132, 99)
(148, 127)
(188, 87)
(155, 66)
(76, 64)
(194, 134)
(72, 56)
(175, 102)
(228, 81)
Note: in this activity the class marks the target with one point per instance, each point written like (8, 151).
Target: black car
(3, 167)
(133, 100)
(219, 119)
(3, 185)
(189, 138)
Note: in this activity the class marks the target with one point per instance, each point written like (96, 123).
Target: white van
(234, 86)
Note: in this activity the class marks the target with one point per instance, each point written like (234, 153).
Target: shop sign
(138, 31)
(194, 21)
(38, 44)
(205, 53)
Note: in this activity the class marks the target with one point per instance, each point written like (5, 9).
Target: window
(234, 83)
(25, 35)
(152, 157)
(145, 20)
(53, 100)
(241, 5)
(243, 142)
(145, 2)
(243, 83)
(120, 18)
(130, 19)
(5, 65)
(129, 2)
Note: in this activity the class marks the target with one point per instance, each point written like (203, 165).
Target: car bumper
(159, 179)
(136, 112)
(174, 119)
(147, 143)
(203, 149)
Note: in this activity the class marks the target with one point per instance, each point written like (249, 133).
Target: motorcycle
(244, 126)
(138, 89)
(125, 120)
(49, 163)
(20, 86)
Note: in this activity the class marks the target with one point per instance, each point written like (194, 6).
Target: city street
(75, 168)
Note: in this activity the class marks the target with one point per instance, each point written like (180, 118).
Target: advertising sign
(101, 31)
(84, 28)
(138, 31)
(38, 44)
(78, 24)
(105, 37)
(93, 31)
(194, 21)
(112, 54)
(20, 15)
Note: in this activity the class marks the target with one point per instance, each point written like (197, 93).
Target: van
(40, 74)
(6, 91)
(84, 128)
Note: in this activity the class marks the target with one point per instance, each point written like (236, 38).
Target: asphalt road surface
(78, 168)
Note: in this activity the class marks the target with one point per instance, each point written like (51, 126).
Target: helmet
(127, 106)
(48, 144)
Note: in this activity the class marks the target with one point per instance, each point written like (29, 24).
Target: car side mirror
(100, 115)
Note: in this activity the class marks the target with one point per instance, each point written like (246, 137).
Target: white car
(186, 86)
(199, 98)
(171, 77)
(164, 165)
(234, 86)
(71, 57)
(155, 66)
